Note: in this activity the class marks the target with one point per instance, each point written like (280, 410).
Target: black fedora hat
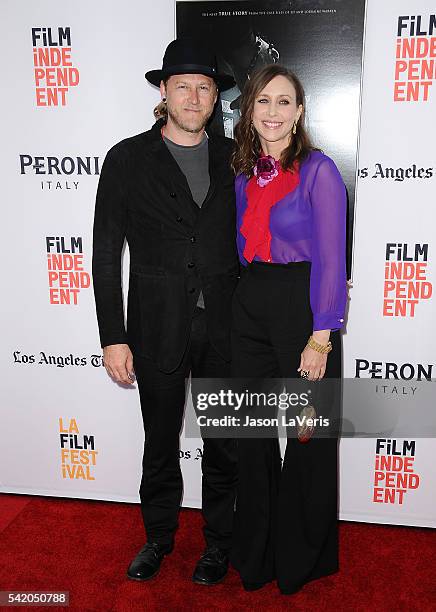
(189, 56)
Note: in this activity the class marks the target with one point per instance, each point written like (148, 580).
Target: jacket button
(191, 264)
(192, 239)
(179, 219)
(192, 290)
(173, 195)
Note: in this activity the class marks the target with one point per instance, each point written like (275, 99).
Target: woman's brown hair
(248, 148)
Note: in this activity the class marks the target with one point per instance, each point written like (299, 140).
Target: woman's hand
(312, 361)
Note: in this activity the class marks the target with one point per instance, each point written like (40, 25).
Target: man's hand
(118, 361)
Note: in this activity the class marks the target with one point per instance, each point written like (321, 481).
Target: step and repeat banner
(73, 86)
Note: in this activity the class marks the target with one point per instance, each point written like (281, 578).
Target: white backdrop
(53, 382)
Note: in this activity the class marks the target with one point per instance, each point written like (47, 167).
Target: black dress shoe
(212, 566)
(147, 562)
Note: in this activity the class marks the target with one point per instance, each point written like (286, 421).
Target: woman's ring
(305, 373)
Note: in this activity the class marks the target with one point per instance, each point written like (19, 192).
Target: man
(169, 192)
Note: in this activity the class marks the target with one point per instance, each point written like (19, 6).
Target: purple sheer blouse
(309, 224)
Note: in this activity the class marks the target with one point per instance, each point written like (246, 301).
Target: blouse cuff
(328, 320)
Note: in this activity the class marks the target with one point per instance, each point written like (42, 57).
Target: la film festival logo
(78, 453)
(415, 58)
(66, 273)
(58, 173)
(394, 473)
(405, 281)
(53, 68)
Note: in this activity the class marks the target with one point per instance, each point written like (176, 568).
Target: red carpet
(84, 547)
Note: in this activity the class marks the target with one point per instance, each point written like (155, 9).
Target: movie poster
(320, 40)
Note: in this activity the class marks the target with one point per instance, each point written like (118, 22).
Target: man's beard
(193, 126)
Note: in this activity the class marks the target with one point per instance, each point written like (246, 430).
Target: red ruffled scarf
(260, 200)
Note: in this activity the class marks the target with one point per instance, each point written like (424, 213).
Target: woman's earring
(294, 129)
(164, 99)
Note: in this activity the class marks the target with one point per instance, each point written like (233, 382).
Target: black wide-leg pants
(286, 515)
(163, 398)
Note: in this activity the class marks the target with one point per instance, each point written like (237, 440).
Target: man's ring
(305, 373)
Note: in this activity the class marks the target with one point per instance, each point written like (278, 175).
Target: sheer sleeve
(328, 278)
(241, 205)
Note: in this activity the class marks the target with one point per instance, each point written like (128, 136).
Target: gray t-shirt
(193, 161)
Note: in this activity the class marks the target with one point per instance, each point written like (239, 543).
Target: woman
(288, 309)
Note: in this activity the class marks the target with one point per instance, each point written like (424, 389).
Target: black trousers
(286, 516)
(163, 398)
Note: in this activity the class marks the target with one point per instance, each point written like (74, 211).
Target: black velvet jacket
(176, 248)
